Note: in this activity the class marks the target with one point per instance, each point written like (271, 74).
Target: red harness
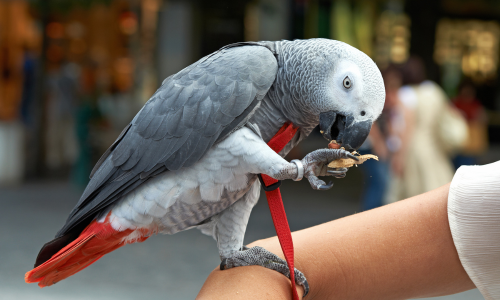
(271, 186)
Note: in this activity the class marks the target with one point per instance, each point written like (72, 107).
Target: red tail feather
(95, 241)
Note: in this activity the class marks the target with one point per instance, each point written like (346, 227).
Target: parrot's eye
(347, 82)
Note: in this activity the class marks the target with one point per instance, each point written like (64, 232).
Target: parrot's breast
(177, 200)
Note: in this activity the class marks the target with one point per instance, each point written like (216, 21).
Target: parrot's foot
(258, 256)
(337, 172)
(316, 164)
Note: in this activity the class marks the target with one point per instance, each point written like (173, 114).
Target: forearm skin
(400, 251)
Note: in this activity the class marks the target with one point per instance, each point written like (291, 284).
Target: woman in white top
(424, 140)
(439, 243)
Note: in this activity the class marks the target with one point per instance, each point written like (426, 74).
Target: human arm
(400, 251)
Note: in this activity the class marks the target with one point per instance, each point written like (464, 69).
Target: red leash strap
(271, 186)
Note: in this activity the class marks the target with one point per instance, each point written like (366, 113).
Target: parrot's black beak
(355, 134)
(326, 121)
(348, 133)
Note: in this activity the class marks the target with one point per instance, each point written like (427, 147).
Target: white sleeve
(474, 216)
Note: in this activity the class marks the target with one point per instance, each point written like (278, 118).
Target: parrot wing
(192, 110)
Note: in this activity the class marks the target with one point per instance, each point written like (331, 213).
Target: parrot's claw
(258, 256)
(325, 187)
(316, 164)
(337, 172)
(319, 184)
(352, 156)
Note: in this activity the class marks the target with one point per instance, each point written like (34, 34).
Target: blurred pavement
(164, 267)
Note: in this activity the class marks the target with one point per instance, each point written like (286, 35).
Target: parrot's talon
(352, 156)
(335, 172)
(338, 175)
(324, 187)
(258, 256)
(223, 264)
(316, 164)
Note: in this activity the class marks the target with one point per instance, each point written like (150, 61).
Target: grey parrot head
(332, 84)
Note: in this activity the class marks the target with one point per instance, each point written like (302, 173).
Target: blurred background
(74, 73)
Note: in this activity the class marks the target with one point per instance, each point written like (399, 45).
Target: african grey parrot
(190, 157)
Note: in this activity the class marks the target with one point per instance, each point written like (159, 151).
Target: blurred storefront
(465, 39)
(18, 38)
(72, 72)
(96, 62)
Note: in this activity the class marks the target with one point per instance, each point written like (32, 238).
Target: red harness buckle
(270, 187)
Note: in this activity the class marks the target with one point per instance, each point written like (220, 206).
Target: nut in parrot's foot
(347, 162)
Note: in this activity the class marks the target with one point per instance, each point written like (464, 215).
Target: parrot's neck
(283, 100)
(280, 106)
(270, 119)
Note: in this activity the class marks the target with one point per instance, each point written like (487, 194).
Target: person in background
(382, 141)
(473, 111)
(422, 161)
